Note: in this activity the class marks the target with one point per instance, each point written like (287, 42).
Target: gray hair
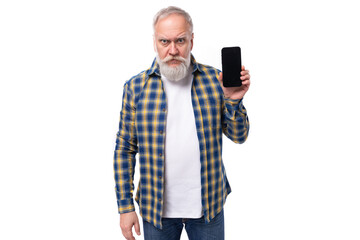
(172, 10)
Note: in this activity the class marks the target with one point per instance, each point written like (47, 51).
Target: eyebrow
(181, 36)
(165, 38)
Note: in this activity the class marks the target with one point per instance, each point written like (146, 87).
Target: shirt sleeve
(125, 152)
(235, 120)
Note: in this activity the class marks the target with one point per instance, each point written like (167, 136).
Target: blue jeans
(196, 228)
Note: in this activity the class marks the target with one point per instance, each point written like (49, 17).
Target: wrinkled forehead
(172, 25)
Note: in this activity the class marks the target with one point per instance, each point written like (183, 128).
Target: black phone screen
(231, 66)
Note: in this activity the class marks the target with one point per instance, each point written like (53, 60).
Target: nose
(173, 49)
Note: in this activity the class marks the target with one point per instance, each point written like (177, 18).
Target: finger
(137, 228)
(247, 76)
(131, 237)
(128, 234)
(245, 83)
(243, 67)
(244, 72)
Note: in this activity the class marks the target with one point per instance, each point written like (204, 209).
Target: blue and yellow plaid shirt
(142, 130)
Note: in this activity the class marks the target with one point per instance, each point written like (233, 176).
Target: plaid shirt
(142, 130)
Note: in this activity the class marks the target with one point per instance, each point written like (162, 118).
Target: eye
(164, 41)
(181, 40)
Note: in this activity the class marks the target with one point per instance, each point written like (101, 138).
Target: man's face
(172, 38)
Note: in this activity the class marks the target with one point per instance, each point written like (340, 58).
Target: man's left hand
(237, 92)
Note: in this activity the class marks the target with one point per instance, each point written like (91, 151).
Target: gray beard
(174, 73)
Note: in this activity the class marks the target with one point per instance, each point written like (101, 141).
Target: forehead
(172, 26)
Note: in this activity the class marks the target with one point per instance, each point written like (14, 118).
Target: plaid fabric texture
(142, 130)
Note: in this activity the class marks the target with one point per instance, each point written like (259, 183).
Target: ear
(192, 41)
(154, 42)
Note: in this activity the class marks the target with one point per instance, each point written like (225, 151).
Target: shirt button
(160, 154)
(161, 131)
(160, 177)
(163, 109)
(159, 199)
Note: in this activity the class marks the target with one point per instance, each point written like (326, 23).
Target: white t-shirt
(182, 189)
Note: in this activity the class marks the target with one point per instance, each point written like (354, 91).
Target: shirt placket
(161, 131)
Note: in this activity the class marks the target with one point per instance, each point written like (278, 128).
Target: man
(173, 115)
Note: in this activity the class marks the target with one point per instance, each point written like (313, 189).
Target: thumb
(221, 78)
(137, 228)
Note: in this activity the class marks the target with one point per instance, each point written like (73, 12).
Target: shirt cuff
(232, 101)
(234, 104)
(234, 108)
(126, 205)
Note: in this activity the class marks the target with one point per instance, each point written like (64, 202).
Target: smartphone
(231, 66)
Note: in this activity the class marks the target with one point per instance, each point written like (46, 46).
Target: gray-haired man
(182, 176)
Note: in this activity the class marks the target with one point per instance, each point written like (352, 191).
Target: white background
(62, 68)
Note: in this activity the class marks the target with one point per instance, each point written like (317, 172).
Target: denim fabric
(196, 228)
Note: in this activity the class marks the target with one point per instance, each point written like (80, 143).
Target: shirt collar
(155, 69)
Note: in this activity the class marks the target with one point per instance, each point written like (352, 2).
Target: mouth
(173, 62)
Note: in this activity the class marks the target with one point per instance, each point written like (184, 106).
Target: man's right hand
(127, 221)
